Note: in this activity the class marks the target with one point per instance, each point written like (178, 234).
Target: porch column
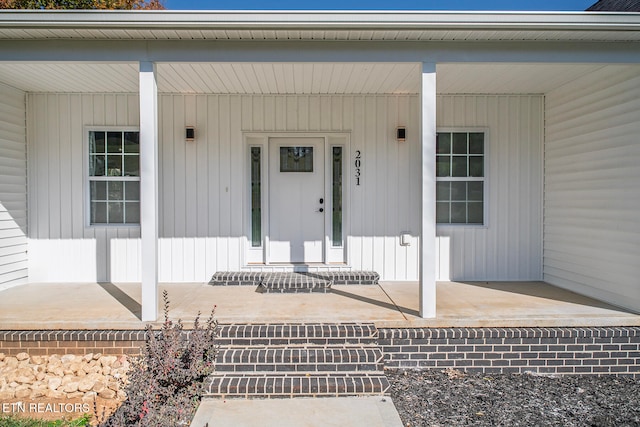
(428, 192)
(149, 189)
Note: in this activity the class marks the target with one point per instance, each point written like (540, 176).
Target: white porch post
(149, 189)
(428, 192)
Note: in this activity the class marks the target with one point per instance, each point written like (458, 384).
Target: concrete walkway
(376, 411)
(496, 304)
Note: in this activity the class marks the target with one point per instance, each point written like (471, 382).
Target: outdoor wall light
(190, 133)
(401, 134)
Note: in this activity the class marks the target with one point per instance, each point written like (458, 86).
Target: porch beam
(317, 51)
(149, 189)
(428, 191)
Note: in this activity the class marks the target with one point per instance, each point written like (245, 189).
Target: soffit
(299, 78)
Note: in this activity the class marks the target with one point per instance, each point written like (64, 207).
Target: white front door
(296, 200)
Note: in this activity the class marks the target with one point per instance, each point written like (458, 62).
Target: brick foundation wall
(41, 343)
(486, 350)
(495, 350)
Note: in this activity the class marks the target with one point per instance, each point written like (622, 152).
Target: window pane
(114, 142)
(96, 165)
(443, 190)
(96, 142)
(458, 212)
(475, 191)
(256, 198)
(296, 159)
(98, 213)
(476, 143)
(442, 213)
(98, 190)
(337, 196)
(132, 213)
(132, 165)
(131, 142)
(115, 190)
(459, 166)
(116, 212)
(443, 167)
(476, 166)
(476, 213)
(458, 191)
(460, 155)
(114, 165)
(459, 143)
(443, 143)
(132, 190)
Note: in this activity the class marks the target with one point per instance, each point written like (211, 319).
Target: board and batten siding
(592, 186)
(13, 188)
(202, 184)
(61, 246)
(509, 246)
(202, 202)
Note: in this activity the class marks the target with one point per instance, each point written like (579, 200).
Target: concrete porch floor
(390, 304)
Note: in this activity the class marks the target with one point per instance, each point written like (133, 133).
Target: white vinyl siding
(592, 186)
(203, 183)
(13, 188)
(61, 245)
(509, 246)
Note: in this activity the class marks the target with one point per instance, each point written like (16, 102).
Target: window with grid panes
(460, 177)
(114, 177)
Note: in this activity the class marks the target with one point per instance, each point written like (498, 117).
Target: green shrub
(165, 383)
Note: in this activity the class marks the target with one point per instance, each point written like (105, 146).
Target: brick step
(294, 282)
(300, 359)
(227, 385)
(282, 334)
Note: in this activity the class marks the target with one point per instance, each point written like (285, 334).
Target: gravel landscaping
(453, 398)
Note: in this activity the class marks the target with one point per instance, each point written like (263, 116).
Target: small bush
(165, 383)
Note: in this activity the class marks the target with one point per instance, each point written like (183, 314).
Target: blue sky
(521, 5)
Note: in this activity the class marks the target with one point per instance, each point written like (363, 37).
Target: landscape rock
(7, 394)
(54, 383)
(23, 393)
(22, 356)
(83, 377)
(107, 394)
(71, 387)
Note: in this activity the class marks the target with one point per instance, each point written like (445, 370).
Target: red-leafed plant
(165, 383)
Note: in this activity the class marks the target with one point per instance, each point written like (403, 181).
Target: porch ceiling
(298, 78)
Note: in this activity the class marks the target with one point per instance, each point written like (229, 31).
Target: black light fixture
(190, 133)
(401, 134)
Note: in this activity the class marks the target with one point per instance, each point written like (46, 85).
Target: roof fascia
(338, 20)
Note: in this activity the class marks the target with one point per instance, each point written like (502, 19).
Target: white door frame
(256, 256)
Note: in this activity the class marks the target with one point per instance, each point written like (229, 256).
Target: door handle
(321, 200)
(320, 210)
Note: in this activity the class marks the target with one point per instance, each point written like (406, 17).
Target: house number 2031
(358, 163)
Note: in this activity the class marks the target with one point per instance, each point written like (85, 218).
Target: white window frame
(484, 179)
(88, 178)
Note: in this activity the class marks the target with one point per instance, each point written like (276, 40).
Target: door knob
(321, 200)
(320, 210)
